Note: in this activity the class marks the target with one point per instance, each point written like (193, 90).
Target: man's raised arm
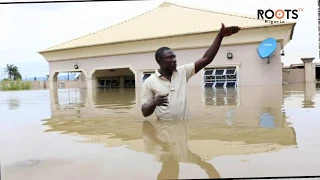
(214, 48)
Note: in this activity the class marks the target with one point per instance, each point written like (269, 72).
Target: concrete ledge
(307, 60)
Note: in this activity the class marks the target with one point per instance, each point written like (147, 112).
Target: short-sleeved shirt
(156, 85)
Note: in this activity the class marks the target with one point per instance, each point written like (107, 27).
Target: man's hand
(161, 100)
(148, 109)
(228, 31)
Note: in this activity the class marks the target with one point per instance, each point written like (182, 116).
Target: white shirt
(177, 89)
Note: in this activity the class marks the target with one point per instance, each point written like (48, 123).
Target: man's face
(168, 61)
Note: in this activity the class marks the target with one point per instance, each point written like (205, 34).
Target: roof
(166, 20)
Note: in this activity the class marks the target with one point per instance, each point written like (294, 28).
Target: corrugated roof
(168, 19)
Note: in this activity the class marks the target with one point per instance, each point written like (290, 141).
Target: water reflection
(168, 141)
(248, 115)
(241, 121)
(13, 103)
(92, 103)
(114, 98)
(310, 92)
(221, 96)
(301, 95)
(103, 131)
(267, 120)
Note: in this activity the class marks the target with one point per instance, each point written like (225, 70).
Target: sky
(29, 28)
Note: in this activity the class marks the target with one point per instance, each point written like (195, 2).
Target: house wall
(36, 85)
(294, 76)
(61, 84)
(252, 70)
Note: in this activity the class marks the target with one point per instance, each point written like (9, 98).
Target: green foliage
(15, 85)
(12, 71)
(13, 82)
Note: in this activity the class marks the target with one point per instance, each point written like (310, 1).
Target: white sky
(28, 28)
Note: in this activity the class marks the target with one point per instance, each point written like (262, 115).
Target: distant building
(123, 55)
(306, 72)
(300, 67)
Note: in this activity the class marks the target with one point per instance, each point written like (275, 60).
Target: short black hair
(159, 52)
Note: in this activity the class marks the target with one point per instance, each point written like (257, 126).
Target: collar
(157, 73)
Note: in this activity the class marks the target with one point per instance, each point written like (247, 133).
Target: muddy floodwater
(101, 134)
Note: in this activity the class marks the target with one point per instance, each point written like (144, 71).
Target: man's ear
(158, 60)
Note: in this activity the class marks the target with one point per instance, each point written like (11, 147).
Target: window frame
(236, 68)
(109, 85)
(131, 82)
(143, 73)
(219, 81)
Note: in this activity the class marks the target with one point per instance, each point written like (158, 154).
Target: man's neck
(165, 73)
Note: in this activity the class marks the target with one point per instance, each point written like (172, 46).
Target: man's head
(166, 59)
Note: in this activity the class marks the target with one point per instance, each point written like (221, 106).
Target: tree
(12, 72)
(17, 75)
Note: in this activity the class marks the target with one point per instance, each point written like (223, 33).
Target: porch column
(309, 94)
(91, 82)
(309, 74)
(53, 80)
(121, 85)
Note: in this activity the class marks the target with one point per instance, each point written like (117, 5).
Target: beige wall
(294, 76)
(60, 84)
(299, 75)
(82, 77)
(71, 84)
(253, 70)
(36, 85)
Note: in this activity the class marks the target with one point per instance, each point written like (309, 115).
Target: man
(165, 91)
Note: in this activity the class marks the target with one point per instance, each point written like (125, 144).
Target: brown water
(101, 134)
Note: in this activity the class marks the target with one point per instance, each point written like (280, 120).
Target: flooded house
(244, 121)
(115, 62)
(123, 55)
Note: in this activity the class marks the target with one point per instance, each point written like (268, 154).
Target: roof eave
(293, 27)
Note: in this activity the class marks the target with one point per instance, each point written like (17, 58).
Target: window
(129, 82)
(108, 82)
(220, 77)
(146, 75)
(220, 86)
(101, 82)
(114, 83)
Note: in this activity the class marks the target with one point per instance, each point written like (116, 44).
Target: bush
(10, 85)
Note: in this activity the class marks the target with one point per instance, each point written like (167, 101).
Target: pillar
(54, 102)
(121, 82)
(308, 70)
(91, 88)
(91, 82)
(309, 94)
(53, 80)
